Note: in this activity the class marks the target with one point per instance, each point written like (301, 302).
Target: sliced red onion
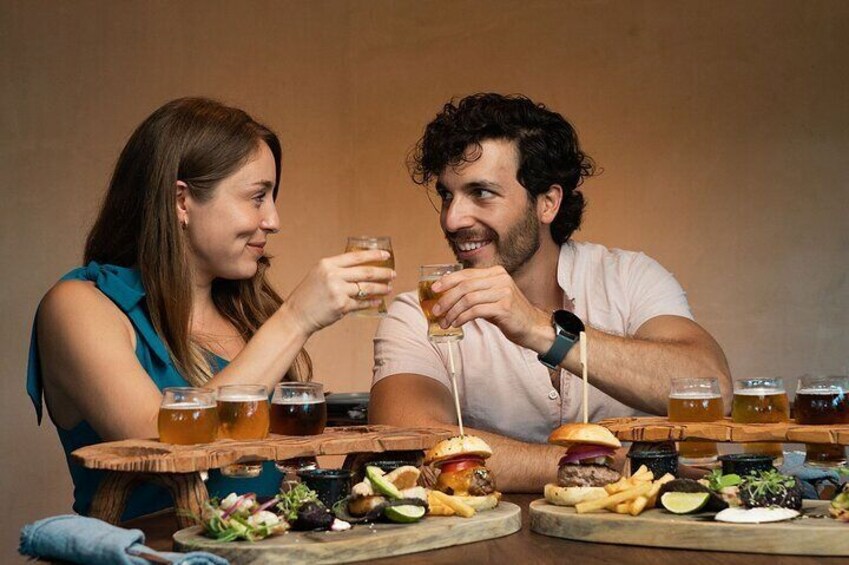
(578, 453)
(266, 505)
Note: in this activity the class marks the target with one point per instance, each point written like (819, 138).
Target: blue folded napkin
(94, 542)
(813, 478)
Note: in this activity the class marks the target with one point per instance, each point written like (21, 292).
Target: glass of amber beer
(364, 243)
(243, 414)
(761, 401)
(695, 400)
(187, 416)
(823, 401)
(427, 298)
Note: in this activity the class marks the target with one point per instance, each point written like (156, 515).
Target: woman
(174, 291)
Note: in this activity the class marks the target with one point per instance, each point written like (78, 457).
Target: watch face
(568, 322)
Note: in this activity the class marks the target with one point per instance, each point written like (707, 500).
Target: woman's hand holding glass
(339, 285)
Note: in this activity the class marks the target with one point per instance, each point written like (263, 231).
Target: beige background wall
(722, 127)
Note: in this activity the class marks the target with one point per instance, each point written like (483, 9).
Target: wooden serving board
(151, 456)
(814, 534)
(361, 542)
(661, 429)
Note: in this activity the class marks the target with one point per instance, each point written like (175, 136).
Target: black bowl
(331, 485)
(658, 462)
(744, 463)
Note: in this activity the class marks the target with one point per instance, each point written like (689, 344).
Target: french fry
(622, 508)
(641, 471)
(613, 499)
(454, 504)
(638, 505)
(613, 488)
(655, 489)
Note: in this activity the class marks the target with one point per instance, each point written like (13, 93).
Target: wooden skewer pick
(453, 372)
(582, 344)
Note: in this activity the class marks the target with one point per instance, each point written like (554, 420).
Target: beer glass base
(291, 466)
(830, 464)
(444, 338)
(710, 461)
(242, 470)
(368, 314)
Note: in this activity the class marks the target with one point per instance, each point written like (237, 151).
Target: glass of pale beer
(243, 414)
(822, 400)
(187, 416)
(429, 274)
(298, 409)
(695, 400)
(364, 243)
(761, 401)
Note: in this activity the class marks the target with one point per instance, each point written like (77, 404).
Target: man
(506, 171)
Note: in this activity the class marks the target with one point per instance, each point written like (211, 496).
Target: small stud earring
(184, 224)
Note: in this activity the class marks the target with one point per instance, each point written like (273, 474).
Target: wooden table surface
(529, 547)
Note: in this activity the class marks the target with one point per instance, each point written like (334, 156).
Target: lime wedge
(684, 502)
(380, 484)
(405, 513)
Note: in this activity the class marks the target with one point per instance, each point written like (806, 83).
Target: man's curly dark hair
(547, 144)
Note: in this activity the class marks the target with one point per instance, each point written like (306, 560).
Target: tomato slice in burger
(456, 465)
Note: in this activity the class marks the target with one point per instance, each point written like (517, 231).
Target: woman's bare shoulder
(76, 303)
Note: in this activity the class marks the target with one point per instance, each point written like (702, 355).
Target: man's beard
(513, 250)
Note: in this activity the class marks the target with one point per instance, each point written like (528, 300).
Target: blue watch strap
(555, 355)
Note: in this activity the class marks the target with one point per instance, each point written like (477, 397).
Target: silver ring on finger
(360, 292)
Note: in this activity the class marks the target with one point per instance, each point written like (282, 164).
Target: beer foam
(759, 391)
(242, 397)
(820, 391)
(186, 406)
(694, 395)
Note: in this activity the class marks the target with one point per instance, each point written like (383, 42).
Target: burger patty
(482, 482)
(475, 481)
(586, 476)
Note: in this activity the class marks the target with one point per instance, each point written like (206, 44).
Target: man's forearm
(638, 372)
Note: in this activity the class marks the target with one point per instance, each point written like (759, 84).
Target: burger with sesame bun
(586, 467)
(462, 471)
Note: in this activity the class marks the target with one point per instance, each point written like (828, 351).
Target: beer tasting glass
(187, 416)
(243, 414)
(427, 298)
(761, 401)
(298, 409)
(695, 400)
(823, 400)
(364, 243)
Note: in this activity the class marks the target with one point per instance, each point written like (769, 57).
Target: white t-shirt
(503, 387)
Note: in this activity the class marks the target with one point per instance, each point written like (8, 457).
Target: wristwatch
(567, 331)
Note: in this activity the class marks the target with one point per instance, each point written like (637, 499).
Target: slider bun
(466, 445)
(570, 496)
(577, 433)
(482, 502)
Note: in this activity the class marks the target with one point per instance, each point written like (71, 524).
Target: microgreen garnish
(290, 502)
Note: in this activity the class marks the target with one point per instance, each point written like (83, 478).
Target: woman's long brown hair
(200, 142)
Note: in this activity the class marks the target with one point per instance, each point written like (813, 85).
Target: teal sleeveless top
(124, 287)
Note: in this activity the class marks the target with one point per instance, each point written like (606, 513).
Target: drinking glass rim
(839, 383)
(188, 390)
(447, 267)
(370, 238)
(776, 383)
(299, 384)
